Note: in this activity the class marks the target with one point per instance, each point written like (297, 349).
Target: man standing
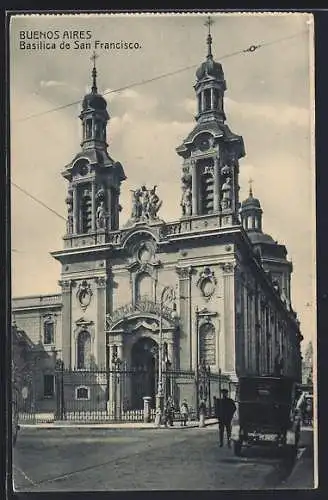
(225, 409)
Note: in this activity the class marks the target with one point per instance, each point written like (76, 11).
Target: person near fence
(169, 412)
(184, 411)
(225, 409)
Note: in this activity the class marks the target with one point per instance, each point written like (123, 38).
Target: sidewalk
(302, 475)
(114, 425)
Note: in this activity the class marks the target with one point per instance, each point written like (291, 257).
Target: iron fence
(117, 395)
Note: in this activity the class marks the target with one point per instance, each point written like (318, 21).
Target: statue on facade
(69, 222)
(226, 194)
(186, 202)
(101, 216)
(145, 203)
(136, 204)
(154, 203)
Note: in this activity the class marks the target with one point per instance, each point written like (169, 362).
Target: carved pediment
(139, 311)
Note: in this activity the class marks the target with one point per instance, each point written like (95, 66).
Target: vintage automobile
(266, 414)
(305, 407)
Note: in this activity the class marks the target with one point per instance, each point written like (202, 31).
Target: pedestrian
(169, 412)
(184, 410)
(225, 409)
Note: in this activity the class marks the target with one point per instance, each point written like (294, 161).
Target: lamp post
(167, 295)
(197, 363)
(116, 364)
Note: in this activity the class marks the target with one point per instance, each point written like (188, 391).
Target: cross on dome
(250, 182)
(209, 23)
(94, 72)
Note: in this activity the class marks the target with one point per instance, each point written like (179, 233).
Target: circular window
(207, 287)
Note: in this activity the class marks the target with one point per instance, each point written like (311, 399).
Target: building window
(207, 193)
(215, 98)
(83, 350)
(48, 386)
(98, 130)
(49, 332)
(207, 98)
(88, 129)
(207, 347)
(144, 286)
(82, 392)
(86, 211)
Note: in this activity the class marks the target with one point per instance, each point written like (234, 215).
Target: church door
(144, 359)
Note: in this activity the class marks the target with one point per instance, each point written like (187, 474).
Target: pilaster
(228, 270)
(75, 210)
(101, 313)
(216, 200)
(185, 341)
(66, 286)
(194, 188)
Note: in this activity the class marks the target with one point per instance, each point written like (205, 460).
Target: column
(110, 402)
(202, 99)
(119, 379)
(101, 320)
(75, 210)
(229, 316)
(212, 98)
(116, 210)
(194, 188)
(170, 352)
(246, 339)
(216, 200)
(66, 323)
(195, 339)
(234, 189)
(93, 206)
(109, 208)
(184, 340)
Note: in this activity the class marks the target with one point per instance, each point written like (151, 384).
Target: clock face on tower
(203, 142)
(82, 167)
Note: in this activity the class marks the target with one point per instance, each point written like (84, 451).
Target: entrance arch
(144, 363)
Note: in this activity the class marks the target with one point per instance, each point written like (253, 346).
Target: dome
(258, 237)
(210, 68)
(94, 101)
(251, 202)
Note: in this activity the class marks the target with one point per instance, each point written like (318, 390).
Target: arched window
(86, 212)
(144, 286)
(207, 193)
(82, 392)
(249, 222)
(49, 332)
(207, 98)
(207, 347)
(215, 98)
(98, 129)
(83, 350)
(88, 129)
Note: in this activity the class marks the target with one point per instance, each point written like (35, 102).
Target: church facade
(210, 288)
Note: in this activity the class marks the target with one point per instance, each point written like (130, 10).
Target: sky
(269, 101)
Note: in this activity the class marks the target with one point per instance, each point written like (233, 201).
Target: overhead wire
(252, 48)
(37, 200)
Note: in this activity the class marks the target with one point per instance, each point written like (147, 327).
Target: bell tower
(211, 152)
(94, 177)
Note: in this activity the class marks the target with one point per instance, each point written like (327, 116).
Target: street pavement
(75, 459)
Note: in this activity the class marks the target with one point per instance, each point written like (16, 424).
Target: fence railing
(118, 395)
